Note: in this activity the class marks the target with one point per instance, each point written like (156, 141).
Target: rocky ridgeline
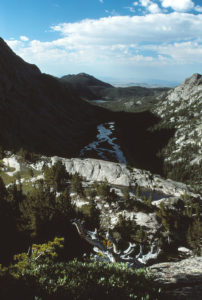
(181, 108)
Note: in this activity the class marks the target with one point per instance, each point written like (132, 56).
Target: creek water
(105, 145)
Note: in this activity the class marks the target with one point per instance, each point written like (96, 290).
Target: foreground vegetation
(43, 276)
(58, 269)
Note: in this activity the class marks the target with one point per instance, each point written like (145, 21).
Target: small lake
(99, 101)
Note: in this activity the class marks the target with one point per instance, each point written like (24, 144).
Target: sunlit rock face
(120, 174)
(97, 170)
(181, 109)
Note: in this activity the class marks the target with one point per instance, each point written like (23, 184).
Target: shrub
(47, 279)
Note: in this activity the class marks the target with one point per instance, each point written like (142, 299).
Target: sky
(119, 40)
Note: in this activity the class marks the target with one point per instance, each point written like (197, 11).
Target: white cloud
(198, 8)
(150, 6)
(178, 5)
(125, 42)
(15, 44)
(112, 12)
(126, 29)
(101, 1)
(154, 8)
(24, 38)
(131, 9)
(180, 53)
(145, 2)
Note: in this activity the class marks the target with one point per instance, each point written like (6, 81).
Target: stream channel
(105, 146)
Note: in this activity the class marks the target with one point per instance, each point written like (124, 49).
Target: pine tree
(56, 176)
(149, 200)
(76, 184)
(94, 215)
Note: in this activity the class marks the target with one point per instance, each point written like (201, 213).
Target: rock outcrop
(120, 174)
(180, 280)
(181, 109)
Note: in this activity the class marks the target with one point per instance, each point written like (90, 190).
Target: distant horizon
(129, 81)
(125, 40)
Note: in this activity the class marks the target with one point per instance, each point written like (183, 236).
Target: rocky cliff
(181, 109)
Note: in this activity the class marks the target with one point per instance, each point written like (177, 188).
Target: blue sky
(119, 40)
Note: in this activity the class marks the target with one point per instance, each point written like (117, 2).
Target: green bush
(56, 176)
(105, 192)
(46, 278)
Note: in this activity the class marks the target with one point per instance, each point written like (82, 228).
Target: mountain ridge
(36, 109)
(91, 88)
(181, 109)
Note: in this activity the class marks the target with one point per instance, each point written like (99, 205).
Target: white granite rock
(119, 174)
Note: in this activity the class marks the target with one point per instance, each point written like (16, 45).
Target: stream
(104, 146)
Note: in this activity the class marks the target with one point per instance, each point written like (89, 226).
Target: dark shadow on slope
(139, 144)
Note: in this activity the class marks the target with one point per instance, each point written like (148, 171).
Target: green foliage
(194, 236)
(128, 200)
(27, 155)
(43, 214)
(94, 215)
(183, 224)
(31, 172)
(2, 152)
(91, 192)
(138, 191)
(129, 231)
(63, 204)
(182, 170)
(56, 175)
(46, 279)
(3, 191)
(9, 214)
(38, 211)
(38, 252)
(165, 215)
(76, 184)
(133, 204)
(105, 192)
(149, 200)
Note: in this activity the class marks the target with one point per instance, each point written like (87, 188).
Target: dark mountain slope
(117, 98)
(87, 86)
(42, 114)
(39, 113)
(85, 79)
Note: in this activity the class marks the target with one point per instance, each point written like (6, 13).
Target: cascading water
(104, 146)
